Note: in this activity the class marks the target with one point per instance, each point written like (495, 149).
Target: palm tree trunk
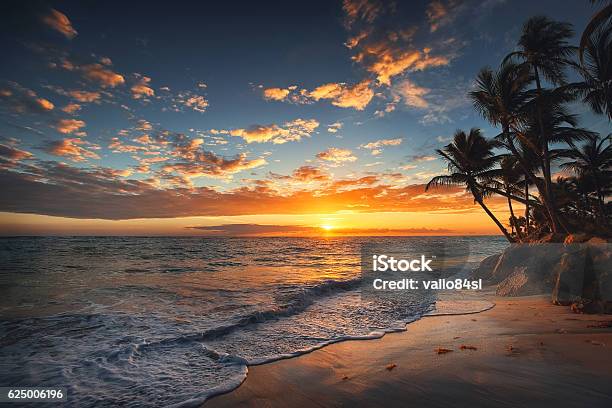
(529, 173)
(527, 206)
(495, 220)
(549, 198)
(478, 198)
(600, 199)
(513, 220)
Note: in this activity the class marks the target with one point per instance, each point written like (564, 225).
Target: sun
(327, 227)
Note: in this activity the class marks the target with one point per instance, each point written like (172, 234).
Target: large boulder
(570, 277)
(523, 281)
(537, 259)
(550, 238)
(484, 271)
(578, 273)
(576, 238)
(601, 288)
(597, 240)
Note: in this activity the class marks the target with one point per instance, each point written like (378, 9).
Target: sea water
(162, 321)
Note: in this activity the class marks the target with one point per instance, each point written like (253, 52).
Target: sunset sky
(256, 118)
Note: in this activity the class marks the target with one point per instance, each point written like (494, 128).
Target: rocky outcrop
(485, 270)
(576, 274)
(524, 269)
(551, 238)
(521, 282)
(570, 275)
(576, 238)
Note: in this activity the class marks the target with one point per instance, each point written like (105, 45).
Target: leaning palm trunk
(526, 205)
(478, 198)
(494, 218)
(600, 201)
(513, 220)
(548, 199)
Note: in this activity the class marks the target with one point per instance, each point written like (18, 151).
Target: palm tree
(593, 162)
(562, 127)
(500, 97)
(601, 17)
(596, 70)
(471, 163)
(545, 51)
(510, 178)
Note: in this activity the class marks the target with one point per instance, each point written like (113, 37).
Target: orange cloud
(186, 99)
(71, 108)
(144, 125)
(144, 139)
(276, 94)
(387, 61)
(357, 96)
(10, 155)
(291, 131)
(208, 164)
(376, 147)
(187, 149)
(67, 126)
(85, 96)
(71, 148)
(412, 94)
(309, 174)
(364, 10)
(335, 127)
(422, 158)
(96, 72)
(259, 230)
(435, 12)
(354, 41)
(196, 102)
(23, 100)
(105, 77)
(60, 23)
(384, 51)
(141, 89)
(117, 146)
(440, 14)
(336, 155)
(57, 189)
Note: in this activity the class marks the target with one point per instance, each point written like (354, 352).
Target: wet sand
(528, 353)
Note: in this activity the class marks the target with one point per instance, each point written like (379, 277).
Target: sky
(266, 118)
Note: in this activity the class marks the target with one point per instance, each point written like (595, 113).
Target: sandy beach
(523, 352)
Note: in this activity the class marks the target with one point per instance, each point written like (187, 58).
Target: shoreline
(375, 335)
(547, 343)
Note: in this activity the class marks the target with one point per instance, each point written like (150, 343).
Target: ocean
(171, 321)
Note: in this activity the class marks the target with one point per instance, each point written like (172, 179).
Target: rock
(484, 271)
(597, 240)
(577, 272)
(576, 238)
(522, 281)
(602, 275)
(391, 366)
(577, 307)
(570, 275)
(538, 261)
(552, 238)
